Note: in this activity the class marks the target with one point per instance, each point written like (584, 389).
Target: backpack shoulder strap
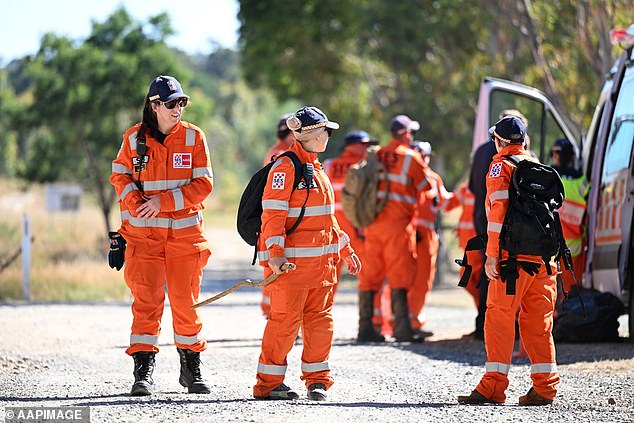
(513, 159)
(297, 164)
(301, 171)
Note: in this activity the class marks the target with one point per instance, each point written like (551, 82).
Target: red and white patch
(496, 169)
(278, 180)
(182, 161)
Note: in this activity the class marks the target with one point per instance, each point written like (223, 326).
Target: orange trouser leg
(536, 325)
(287, 308)
(389, 252)
(317, 330)
(387, 327)
(499, 336)
(427, 249)
(265, 301)
(183, 276)
(145, 276)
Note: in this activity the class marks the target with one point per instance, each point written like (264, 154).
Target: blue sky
(196, 22)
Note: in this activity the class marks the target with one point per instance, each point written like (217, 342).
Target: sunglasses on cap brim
(182, 102)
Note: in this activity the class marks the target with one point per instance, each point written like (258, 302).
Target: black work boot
(190, 376)
(143, 368)
(367, 333)
(402, 328)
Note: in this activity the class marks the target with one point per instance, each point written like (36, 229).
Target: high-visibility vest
(572, 212)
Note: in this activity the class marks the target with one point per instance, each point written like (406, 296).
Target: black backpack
(249, 221)
(531, 225)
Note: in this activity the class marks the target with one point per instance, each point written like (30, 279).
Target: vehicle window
(534, 112)
(621, 138)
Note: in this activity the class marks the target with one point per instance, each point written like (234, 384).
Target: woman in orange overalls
(303, 297)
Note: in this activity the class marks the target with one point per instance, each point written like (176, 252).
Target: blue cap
(309, 122)
(563, 144)
(165, 88)
(358, 137)
(510, 129)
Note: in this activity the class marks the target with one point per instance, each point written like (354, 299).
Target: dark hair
(149, 122)
(283, 134)
(566, 157)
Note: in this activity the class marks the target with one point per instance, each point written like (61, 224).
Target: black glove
(116, 255)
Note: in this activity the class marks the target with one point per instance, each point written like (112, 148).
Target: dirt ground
(73, 355)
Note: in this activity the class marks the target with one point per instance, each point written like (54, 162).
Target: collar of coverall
(511, 149)
(304, 156)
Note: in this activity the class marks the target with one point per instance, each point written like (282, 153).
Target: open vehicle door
(545, 123)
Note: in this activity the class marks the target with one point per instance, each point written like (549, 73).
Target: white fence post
(26, 258)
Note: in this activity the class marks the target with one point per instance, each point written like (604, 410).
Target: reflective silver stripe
(338, 207)
(265, 299)
(179, 202)
(164, 185)
(303, 252)
(343, 241)
(162, 222)
(397, 197)
(397, 178)
(337, 186)
(494, 227)
(377, 312)
(544, 368)
(407, 163)
(315, 367)
(499, 195)
(144, 339)
(575, 250)
(127, 190)
(465, 225)
(422, 184)
(425, 223)
(187, 340)
(119, 168)
(312, 211)
(190, 137)
(271, 369)
(202, 171)
(276, 164)
(469, 201)
(274, 205)
(277, 240)
(132, 138)
(497, 367)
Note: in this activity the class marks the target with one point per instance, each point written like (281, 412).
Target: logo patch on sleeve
(496, 169)
(182, 161)
(278, 180)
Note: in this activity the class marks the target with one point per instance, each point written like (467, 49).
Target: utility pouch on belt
(116, 255)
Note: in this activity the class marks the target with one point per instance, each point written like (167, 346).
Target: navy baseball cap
(402, 123)
(165, 88)
(358, 137)
(563, 144)
(510, 129)
(308, 122)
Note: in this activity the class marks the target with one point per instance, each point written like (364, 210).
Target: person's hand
(275, 263)
(353, 263)
(491, 268)
(150, 208)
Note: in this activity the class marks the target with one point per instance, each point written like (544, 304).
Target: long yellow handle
(263, 282)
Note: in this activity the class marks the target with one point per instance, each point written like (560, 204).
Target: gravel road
(73, 355)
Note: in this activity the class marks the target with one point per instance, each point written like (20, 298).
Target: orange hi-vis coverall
(337, 169)
(274, 151)
(169, 248)
(390, 241)
(430, 202)
(464, 198)
(535, 298)
(303, 297)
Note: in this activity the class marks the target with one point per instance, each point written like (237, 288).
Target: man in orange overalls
(390, 243)
(464, 198)
(535, 296)
(303, 297)
(162, 174)
(285, 139)
(356, 144)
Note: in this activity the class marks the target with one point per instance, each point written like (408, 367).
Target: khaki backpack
(359, 198)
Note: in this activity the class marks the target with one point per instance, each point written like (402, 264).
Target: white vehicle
(606, 158)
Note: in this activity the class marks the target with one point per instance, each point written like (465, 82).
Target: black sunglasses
(182, 102)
